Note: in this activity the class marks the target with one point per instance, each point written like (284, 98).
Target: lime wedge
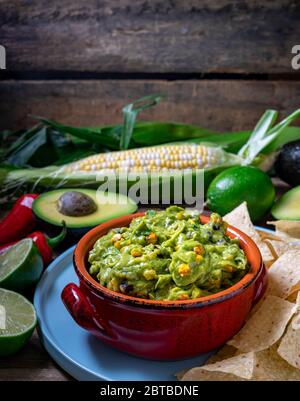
(17, 321)
(20, 266)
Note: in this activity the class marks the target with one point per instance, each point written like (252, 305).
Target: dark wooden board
(209, 36)
(215, 104)
(32, 363)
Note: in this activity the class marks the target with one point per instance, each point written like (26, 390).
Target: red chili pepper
(45, 244)
(19, 221)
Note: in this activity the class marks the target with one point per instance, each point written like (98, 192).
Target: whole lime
(238, 184)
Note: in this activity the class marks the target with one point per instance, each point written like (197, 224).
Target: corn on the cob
(153, 159)
(157, 159)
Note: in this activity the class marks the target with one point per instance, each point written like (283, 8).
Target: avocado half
(53, 207)
(288, 206)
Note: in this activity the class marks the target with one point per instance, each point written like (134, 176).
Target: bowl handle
(260, 285)
(82, 312)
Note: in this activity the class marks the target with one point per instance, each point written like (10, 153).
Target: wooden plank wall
(221, 63)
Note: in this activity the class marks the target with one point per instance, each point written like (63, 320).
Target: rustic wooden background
(221, 63)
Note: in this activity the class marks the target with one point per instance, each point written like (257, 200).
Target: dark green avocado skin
(287, 165)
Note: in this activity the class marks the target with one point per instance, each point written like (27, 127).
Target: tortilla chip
(232, 369)
(289, 348)
(227, 351)
(254, 354)
(241, 365)
(298, 303)
(271, 367)
(180, 375)
(296, 324)
(239, 218)
(199, 374)
(2, 318)
(269, 263)
(292, 297)
(284, 274)
(278, 247)
(287, 229)
(265, 327)
(266, 365)
(267, 235)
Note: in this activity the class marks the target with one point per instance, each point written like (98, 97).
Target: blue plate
(81, 354)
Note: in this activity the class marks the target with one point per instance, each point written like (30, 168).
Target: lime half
(17, 321)
(20, 266)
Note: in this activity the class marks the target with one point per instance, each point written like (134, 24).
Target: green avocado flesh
(109, 206)
(288, 206)
(168, 255)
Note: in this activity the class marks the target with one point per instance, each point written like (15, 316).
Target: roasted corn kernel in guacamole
(168, 255)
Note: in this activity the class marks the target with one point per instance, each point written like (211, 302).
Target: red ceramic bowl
(162, 330)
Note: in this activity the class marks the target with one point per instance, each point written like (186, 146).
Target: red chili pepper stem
(54, 241)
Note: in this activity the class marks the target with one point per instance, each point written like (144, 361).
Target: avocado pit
(76, 204)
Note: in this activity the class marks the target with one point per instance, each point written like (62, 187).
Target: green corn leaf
(20, 155)
(263, 135)
(20, 138)
(256, 140)
(151, 133)
(230, 141)
(289, 134)
(108, 136)
(6, 138)
(131, 112)
(284, 123)
(264, 124)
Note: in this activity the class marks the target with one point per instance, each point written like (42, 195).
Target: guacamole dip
(168, 255)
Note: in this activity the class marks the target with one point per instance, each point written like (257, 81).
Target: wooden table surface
(31, 363)
(34, 363)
